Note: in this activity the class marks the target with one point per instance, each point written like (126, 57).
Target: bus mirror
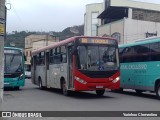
(31, 61)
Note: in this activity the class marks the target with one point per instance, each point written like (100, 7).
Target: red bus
(79, 63)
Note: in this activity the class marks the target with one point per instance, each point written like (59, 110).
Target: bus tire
(158, 91)
(100, 92)
(64, 88)
(16, 88)
(120, 90)
(139, 91)
(40, 84)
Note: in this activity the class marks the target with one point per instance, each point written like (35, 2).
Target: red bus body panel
(93, 82)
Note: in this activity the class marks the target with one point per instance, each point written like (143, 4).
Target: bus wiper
(12, 58)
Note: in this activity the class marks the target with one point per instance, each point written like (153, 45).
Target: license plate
(99, 86)
(6, 84)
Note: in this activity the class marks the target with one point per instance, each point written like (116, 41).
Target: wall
(112, 28)
(137, 29)
(130, 30)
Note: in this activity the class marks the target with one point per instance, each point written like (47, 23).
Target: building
(33, 42)
(90, 17)
(129, 20)
(2, 37)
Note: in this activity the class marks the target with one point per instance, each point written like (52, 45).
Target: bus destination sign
(96, 41)
(11, 51)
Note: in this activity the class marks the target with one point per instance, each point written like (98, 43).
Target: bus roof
(13, 48)
(141, 42)
(63, 42)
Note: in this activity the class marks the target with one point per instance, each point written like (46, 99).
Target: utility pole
(2, 37)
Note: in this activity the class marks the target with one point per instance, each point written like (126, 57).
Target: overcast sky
(47, 15)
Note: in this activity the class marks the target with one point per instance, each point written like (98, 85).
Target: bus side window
(142, 53)
(121, 54)
(51, 56)
(126, 54)
(47, 60)
(37, 60)
(155, 51)
(42, 56)
(40, 59)
(57, 56)
(63, 54)
(58, 50)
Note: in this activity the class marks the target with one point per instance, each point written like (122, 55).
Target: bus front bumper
(16, 83)
(96, 86)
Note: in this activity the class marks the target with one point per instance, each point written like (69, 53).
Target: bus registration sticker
(99, 86)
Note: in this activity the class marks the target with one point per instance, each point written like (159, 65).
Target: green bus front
(14, 76)
(140, 66)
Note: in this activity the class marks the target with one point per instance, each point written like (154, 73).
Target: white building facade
(129, 30)
(90, 17)
(129, 20)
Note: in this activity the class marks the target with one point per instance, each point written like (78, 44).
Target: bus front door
(33, 70)
(70, 67)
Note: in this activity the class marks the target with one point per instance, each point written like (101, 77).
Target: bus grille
(99, 74)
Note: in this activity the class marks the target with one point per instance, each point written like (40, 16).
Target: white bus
(77, 64)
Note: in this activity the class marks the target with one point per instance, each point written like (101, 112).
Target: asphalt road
(30, 98)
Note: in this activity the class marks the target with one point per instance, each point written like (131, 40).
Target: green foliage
(66, 33)
(17, 38)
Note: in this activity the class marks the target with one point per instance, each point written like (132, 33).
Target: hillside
(18, 38)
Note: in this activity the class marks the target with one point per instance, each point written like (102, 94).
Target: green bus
(14, 75)
(140, 65)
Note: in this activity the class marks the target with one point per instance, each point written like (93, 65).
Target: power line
(16, 13)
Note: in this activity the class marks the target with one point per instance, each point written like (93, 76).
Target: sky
(47, 15)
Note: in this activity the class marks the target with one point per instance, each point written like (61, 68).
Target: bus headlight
(116, 80)
(21, 77)
(80, 80)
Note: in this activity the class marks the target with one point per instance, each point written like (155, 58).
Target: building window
(94, 23)
(146, 15)
(85, 25)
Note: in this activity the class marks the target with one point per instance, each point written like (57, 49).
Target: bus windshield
(13, 63)
(97, 58)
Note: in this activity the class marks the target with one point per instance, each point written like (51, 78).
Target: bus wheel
(40, 84)
(120, 90)
(64, 88)
(139, 91)
(158, 91)
(100, 92)
(16, 88)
